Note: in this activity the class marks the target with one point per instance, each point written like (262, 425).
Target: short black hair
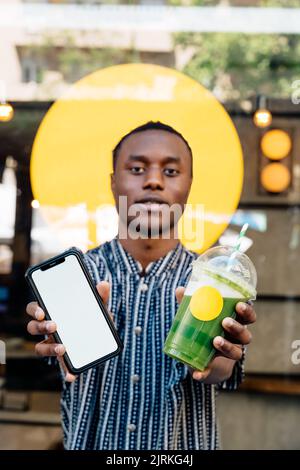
(150, 125)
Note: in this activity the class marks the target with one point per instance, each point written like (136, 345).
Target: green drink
(220, 278)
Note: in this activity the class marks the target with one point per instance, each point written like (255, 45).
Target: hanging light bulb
(6, 111)
(35, 204)
(262, 116)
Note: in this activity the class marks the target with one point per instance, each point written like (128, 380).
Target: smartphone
(65, 291)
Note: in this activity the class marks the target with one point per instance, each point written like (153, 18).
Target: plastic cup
(221, 277)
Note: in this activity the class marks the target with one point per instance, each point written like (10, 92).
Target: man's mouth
(151, 203)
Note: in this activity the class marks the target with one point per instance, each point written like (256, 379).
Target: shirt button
(144, 287)
(138, 330)
(131, 427)
(135, 378)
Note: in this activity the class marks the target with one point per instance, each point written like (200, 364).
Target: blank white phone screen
(72, 305)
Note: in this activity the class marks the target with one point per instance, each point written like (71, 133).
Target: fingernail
(220, 341)
(242, 306)
(229, 322)
(69, 377)
(38, 313)
(59, 349)
(198, 375)
(50, 326)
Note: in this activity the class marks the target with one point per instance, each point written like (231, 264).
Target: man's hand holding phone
(39, 326)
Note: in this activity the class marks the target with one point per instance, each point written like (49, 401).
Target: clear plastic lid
(230, 265)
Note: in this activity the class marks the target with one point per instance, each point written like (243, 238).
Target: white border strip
(45, 17)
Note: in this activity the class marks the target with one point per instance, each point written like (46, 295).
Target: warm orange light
(262, 118)
(275, 177)
(276, 144)
(6, 112)
(35, 204)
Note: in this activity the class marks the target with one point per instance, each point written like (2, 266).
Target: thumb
(179, 292)
(103, 289)
(68, 376)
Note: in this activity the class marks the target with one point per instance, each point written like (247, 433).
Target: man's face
(153, 170)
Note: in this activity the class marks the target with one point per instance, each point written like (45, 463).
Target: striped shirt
(141, 399)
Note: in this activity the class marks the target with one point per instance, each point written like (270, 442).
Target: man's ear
(112, 183)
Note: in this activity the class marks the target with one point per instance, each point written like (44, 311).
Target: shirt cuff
(237, 376)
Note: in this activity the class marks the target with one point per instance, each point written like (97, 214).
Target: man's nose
(154, 179)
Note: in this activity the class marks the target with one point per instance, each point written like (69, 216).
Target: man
(143, 399)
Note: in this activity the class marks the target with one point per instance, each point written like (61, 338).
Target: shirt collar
(128, 264)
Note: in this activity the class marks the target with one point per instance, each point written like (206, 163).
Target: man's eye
(137, 170)
(171, 171)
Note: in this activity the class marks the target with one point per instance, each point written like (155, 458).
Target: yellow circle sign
(206, 303)
(72, 153)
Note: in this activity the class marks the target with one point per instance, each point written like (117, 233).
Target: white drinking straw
(237, 246)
